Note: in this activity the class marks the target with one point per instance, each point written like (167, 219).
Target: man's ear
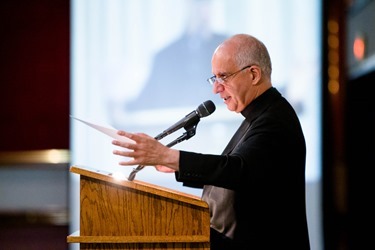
(256, 73)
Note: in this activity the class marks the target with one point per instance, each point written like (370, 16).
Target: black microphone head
(206, 108)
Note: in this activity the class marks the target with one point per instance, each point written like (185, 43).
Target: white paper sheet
(112, 132)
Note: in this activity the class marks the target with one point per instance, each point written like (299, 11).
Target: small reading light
(119, 176)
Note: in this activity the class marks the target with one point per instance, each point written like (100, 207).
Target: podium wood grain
(121, 214)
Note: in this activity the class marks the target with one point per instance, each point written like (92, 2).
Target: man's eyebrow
(221, 74)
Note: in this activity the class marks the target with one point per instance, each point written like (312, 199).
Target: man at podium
(256, 188)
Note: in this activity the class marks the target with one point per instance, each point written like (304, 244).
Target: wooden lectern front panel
(137, 215)
(108, 209)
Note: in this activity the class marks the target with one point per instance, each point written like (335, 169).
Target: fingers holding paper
(145, 150)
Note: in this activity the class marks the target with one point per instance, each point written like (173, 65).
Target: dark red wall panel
(34, 74)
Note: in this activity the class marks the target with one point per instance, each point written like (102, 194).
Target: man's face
(232, 83)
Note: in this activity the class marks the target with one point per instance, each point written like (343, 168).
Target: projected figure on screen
(179, 72)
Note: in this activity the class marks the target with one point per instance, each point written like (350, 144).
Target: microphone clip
(190, 132)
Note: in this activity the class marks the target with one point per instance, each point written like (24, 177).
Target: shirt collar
(258, 105)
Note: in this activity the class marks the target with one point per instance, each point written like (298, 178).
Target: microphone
(191, 119)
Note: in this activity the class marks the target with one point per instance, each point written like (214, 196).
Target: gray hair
(249, 51)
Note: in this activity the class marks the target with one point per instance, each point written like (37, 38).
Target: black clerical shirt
(256, 189)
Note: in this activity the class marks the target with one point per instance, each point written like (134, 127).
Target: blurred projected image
(143, 72)
(179, 70)
(142, 65)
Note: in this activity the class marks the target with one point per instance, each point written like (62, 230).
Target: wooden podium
(122, 214)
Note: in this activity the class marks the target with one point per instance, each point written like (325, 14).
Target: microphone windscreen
(206, 108)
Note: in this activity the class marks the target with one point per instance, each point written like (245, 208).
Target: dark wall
(34, 74)
(360, 152)
(34, 115)
(349, 126)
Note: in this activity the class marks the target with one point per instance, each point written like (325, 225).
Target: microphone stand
(190, 132)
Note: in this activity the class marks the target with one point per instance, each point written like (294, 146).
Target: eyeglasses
(223, 79)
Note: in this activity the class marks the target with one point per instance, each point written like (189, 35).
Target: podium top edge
(139, 185)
